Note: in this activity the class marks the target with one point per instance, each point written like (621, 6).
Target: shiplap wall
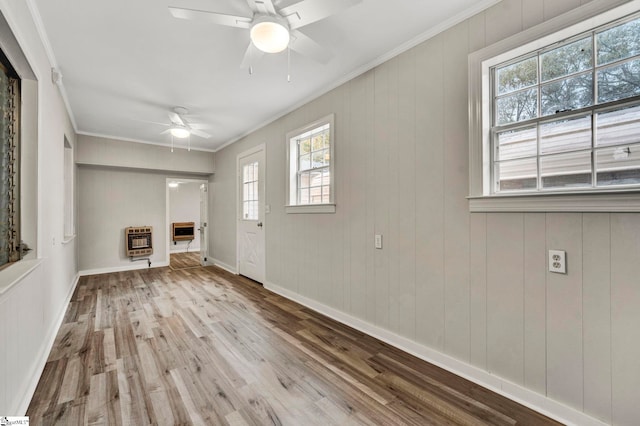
(472, 286)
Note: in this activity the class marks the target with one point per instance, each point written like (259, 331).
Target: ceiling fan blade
(266, 6)
(151, 122)
(212, 17)
(251, 56)
(304, 45)
(175, 118)
(199, 126)
(309, 11)
(200, 133)
(252, 5)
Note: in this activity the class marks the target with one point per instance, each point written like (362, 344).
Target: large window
(568, 116)
(310, 168)
(555, 111)
(10, 160)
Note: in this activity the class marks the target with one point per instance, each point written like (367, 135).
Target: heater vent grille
(182, 231)
(138, 241)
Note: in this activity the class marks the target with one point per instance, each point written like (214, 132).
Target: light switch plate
(558, 261)
(378, 241)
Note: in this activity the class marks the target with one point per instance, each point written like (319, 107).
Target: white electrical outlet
(558, 261)
(378, 241)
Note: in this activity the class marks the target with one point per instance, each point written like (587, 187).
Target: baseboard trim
(46, 350)
(517, 393)
(224, 266)
(184, 250)
(142, 265)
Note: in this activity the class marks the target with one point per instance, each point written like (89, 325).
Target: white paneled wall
(33, 303)
(473, 287)
(23, 332)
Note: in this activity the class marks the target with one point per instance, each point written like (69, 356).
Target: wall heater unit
(182, 231)
(138, 240)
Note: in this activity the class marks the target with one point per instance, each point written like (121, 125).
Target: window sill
(68, 238)
(311, 208)
(619, 201)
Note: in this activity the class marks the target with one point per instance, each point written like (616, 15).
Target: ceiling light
(180, 132)
(269, 35)
(173, 184)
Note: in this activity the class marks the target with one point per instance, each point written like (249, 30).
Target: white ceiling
(125, 63)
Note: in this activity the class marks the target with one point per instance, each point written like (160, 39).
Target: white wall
(184, 206)
(33, 307)
(108, 202)
(468, 290)
(98, 151)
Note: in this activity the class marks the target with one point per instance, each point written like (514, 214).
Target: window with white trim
(555, 110)
(310, 168)
(568, 116)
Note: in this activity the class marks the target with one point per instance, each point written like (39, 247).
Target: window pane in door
(250, 199)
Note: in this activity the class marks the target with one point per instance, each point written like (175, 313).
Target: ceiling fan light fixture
(269, 35)
(180, 132)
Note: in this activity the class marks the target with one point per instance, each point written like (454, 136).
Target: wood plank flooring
(201, 346)
(184, 260)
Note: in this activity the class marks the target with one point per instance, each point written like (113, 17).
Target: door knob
(259, 224)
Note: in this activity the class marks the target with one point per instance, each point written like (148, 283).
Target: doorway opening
(187, 222)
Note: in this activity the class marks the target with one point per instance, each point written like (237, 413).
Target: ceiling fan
(180, 127)
(273, 30)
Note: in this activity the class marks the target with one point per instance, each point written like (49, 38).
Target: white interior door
(251, 245)
(204, 214)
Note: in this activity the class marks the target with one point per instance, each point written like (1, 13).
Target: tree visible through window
(568, 116)
(310, 153)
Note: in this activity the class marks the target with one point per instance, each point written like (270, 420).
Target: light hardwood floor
(184, 260)
(202, 346)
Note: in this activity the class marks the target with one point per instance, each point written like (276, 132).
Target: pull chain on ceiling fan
(180, 128)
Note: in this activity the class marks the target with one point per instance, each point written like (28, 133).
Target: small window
(557, 114)
(310, 153)
(250, 197)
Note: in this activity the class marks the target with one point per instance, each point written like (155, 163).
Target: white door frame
(168, 209)
(262, 147)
